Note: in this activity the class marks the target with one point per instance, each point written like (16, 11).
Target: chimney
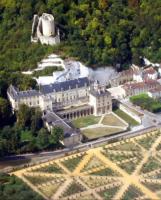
(99, 90)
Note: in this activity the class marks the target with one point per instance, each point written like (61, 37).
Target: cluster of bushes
(12, 187)
(146, 102)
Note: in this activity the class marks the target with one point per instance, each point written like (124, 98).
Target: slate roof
(100, 93)
(65, 85)
(54, 120)
(16, 94)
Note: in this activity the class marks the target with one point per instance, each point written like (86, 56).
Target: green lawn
(93, 133)
(112, 120)
(85, 121)
(126, 117)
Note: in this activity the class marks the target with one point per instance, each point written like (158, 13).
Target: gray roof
(16, 94)
(54, 120)
(64, 86)
(100, 93)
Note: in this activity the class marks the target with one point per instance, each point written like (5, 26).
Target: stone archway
(71, 115)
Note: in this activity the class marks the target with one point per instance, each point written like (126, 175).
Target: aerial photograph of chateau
(80, 100)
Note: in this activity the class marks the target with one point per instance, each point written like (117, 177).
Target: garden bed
(72, 163)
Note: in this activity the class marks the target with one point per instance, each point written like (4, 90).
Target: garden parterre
(128, 169)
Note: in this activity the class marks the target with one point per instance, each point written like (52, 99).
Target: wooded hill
(98, 32)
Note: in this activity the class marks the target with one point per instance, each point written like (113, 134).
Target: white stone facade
(31, 98)
(138, 77)
(73, 93)
(101, 101)
(52, 97)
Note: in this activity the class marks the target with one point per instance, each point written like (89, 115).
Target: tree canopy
(98, 32)
(12, 187)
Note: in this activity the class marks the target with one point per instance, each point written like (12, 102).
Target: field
(94, 133)
(126, 117)
(127, 169)
(85, 121)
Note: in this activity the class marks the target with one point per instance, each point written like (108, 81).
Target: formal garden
(126, 169)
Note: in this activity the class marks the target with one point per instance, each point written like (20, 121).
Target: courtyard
(105, 125)
(86, 121)
(93, 133)
(127, 169)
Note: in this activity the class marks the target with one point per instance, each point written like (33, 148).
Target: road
(34, 158)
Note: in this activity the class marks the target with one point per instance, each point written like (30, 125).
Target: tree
(11, 187)
(3, 88)
(42, 139)
(103, 4)
(24, 116)
(5, 112)
(3, 145)
(57, 135)
(36, 120)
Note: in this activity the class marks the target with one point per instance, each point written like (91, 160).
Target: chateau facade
(64, 96)
(64, 101)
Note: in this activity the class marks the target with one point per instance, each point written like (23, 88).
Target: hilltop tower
(44, 30)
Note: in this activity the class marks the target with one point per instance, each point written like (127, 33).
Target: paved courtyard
(129, 169)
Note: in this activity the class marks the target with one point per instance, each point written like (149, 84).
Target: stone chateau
(65, 101)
